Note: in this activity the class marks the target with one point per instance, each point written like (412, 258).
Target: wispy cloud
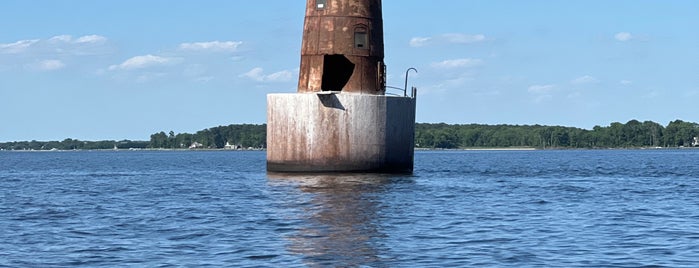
(281, 76)
(623, 36)
(61, 39)
(92, 39)
(448, 38)
(454, 81)
(145, 61)
(186, 59)
(17, 47)
(83, 45)
(87, 39)
(256, 74)
(541, 93)
(419, 41)
(463, 38)
(60, 44)
(585, 79)
(626, 82)
(259, 75)
(50, 65)
(540, 89)
(457, 63)
(45, 65)
(213, 46)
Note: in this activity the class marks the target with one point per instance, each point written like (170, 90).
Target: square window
(361, 40)
(320, 4)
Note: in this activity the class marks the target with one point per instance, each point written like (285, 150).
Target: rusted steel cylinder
(342, 47)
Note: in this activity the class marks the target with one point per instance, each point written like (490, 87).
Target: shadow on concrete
(330, 100)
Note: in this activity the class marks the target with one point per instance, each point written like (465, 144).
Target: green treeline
(71, 144)
(231, 136)
(633, 134)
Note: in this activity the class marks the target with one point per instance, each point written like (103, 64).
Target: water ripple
(214, 209)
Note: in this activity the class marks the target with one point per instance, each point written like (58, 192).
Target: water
(621, 208)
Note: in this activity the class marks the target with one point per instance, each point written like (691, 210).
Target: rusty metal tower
(343, 47)
(341, 120)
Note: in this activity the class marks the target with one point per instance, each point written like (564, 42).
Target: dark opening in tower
(337, 71)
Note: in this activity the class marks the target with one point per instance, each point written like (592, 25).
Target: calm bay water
(612, 208)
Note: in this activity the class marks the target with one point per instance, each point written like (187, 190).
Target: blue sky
(95, 70)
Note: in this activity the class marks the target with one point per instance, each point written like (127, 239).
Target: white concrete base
(329, 132)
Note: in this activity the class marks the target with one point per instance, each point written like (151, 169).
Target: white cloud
(81, 46)
(419, 41)
(45, 65)
(539, 89)
(214, 46)
(625, 82)
(456, 63)
(58, 45)
(281, 76)
(543, 93)
(255, 74)
(90, 39)
(448, 38)
(61, 38)
(585, 79)
(453, 82)
(623, 36)
(140, 62)
(463, 38)
(50, 65)
(17, 47)
(258, 74)
(87, 39)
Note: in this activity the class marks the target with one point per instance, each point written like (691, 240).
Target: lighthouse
(342, 47)
(341, 119)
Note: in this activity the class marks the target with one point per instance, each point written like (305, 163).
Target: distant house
(196, 145)
(695, 143)
(229, 146)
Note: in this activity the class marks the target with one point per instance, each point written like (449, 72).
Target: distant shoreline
(416, 149)
(428, 136)
(482, 149)
(137, 150)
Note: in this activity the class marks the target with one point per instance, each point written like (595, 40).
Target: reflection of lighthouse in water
(340, 119)
(341, 220)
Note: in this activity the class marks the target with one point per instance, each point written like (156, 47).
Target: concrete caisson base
(328, 132)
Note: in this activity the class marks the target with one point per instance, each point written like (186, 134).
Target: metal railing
(395, 88)
(405, 88)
